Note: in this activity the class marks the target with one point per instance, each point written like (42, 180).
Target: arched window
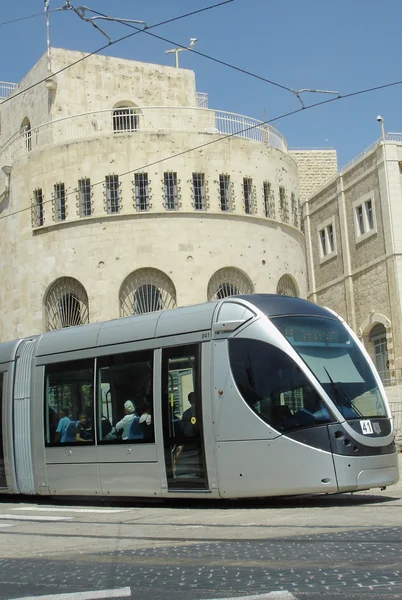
(146, 290)
(125, 117)
(147, 298)
(378, 339)
(286, 286)
(26, 131)
(66, 304)
(228, 281)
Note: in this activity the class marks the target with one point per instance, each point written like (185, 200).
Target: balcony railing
(7, 88)
(202, 100)
(131, 121)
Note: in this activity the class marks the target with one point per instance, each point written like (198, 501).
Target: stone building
(121, 193)
(354, 249)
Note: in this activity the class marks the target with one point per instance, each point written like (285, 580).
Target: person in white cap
(125, 422)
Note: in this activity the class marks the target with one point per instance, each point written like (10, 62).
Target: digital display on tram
(315, 335)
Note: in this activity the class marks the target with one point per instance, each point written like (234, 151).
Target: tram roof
(273, 305)
(161, 324)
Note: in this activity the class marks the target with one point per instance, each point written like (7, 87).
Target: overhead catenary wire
(207, 56)
(225, 137)
(126, 37)
(41, 14)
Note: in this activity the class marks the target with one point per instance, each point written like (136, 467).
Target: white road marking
(6, 524)
(282, 595)
(67, 509)
(33, 518)
(119, 593)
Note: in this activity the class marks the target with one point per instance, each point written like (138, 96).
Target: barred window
(247, 195)
(170, 190)
(199, 191)
(295, 209)
(26, 130)
(283, 205)
(60, 201)
(85, 193)
(141, 191)
(125, 119)
(267, 197)
(224, 191)
(112, 194)
(37, 209)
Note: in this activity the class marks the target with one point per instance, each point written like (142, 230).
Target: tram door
(182, 418)
(3, 482)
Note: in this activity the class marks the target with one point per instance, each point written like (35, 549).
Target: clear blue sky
(342, 45)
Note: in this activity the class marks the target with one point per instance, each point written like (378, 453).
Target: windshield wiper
(341, 394)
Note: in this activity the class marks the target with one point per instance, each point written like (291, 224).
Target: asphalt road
(343, 547)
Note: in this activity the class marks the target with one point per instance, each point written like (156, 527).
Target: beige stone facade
(118, 192)
(354, 245)
(315, 168)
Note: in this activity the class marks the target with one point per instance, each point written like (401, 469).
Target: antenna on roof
(49, 63)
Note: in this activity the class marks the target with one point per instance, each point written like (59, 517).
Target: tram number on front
(367, 427)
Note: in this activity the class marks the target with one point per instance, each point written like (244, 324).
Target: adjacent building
(354, 248)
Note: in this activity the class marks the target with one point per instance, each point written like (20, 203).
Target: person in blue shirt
(62, 426)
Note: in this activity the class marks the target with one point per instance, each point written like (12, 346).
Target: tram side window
(274, 387)
(69, 403)
(125, 398)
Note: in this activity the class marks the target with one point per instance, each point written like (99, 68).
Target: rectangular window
(170, 190)
(295, 209)
(224, 191)
(112, 194)
(360, 219)
(323, 240)
(283, 206)
(369, 214)
(267, 198)
(364, 217)
(37, 209)
(69, 410)
(141, 191)
(60, 201)
(247, 195)
(85, 193)
(327, 241)
(125, 398)
(199, 191)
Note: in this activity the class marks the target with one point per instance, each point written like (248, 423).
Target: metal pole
(49, 63)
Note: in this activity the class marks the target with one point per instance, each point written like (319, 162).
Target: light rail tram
(248, 396)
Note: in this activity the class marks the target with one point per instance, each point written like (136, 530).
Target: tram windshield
(338, 363)
(275, 387)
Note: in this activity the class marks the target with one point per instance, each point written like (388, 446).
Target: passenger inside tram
(124, 425)
(187, 455)
(84, 431)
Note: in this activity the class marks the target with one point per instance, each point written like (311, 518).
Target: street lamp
(381, 120)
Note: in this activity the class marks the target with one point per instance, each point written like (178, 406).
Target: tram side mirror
(226, 326)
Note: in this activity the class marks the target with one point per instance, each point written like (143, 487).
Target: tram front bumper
(363, 473)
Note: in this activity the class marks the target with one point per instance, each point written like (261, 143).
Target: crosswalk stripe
(280, 595)
(95, 595)
(68, 509)
(33, 518)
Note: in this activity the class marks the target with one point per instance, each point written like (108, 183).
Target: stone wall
(315, 168)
